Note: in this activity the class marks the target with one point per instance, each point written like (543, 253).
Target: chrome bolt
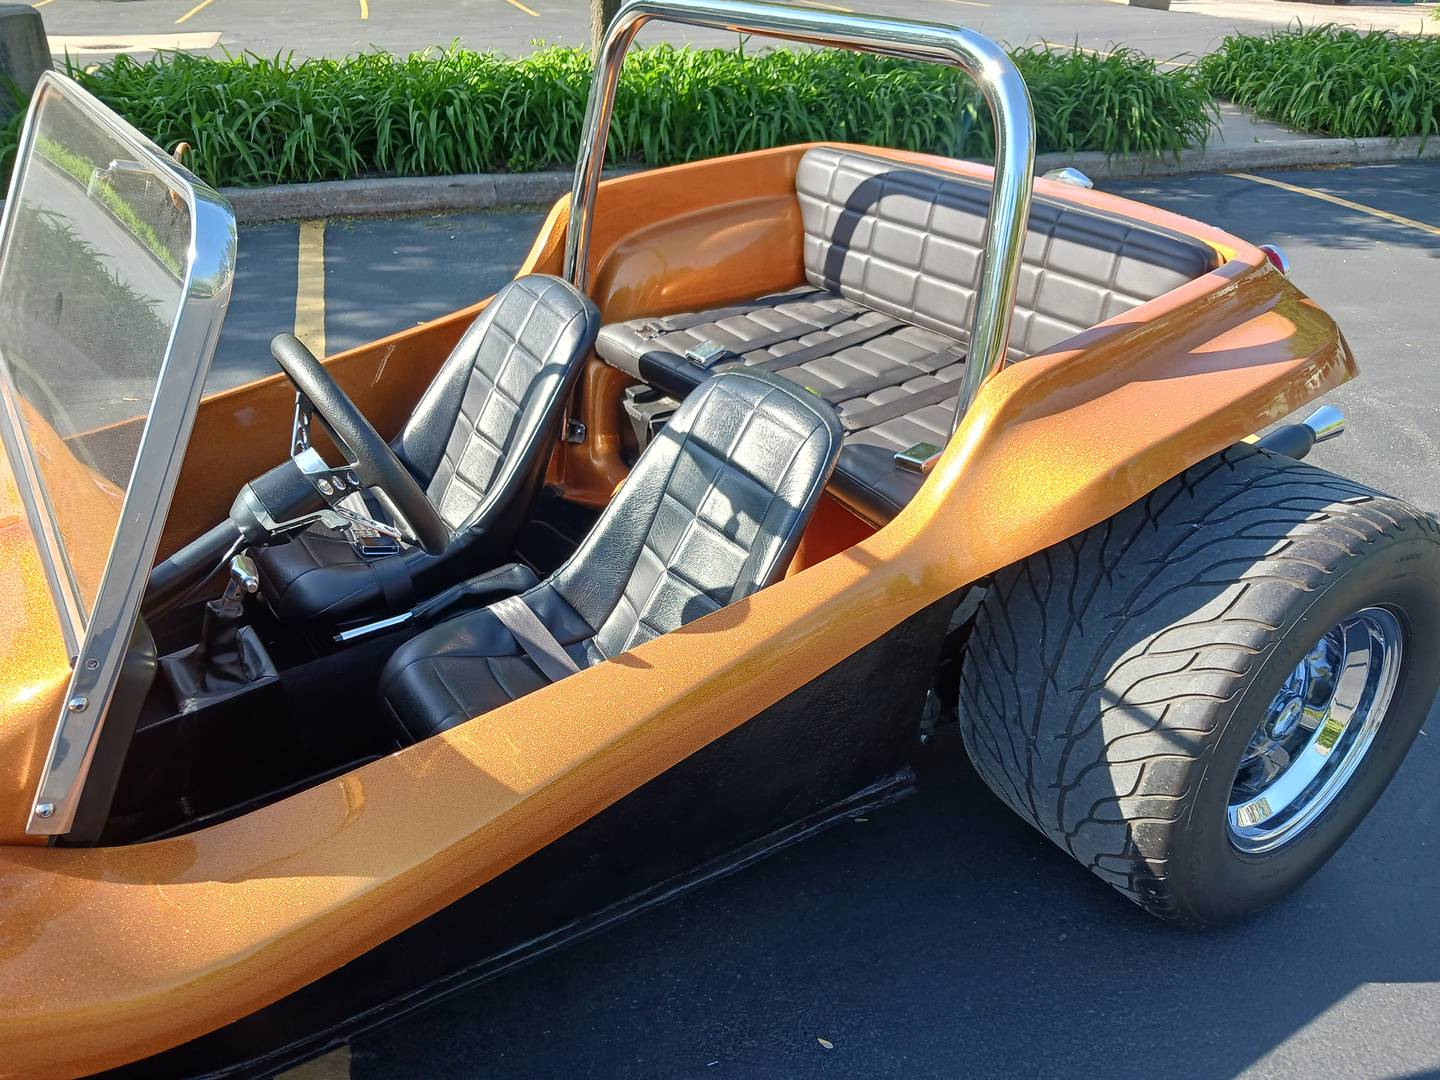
(44, 809)
(78, 704)
(325, 487)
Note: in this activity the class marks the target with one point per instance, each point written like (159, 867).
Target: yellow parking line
(522, 7)
(194, 11)
(310, 287)
(364, 9)
(1327, 197)
(41, 3)
(828, 7)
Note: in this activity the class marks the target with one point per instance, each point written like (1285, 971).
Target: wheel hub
(1315, 731)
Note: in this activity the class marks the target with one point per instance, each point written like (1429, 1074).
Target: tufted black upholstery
(889, 242)
(478, 442)
(711, 512)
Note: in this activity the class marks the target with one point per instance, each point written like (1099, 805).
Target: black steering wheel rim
(373, 460)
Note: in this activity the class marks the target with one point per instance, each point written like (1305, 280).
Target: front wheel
(1202, 697)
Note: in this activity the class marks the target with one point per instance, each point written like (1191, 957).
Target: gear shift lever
(229, 656)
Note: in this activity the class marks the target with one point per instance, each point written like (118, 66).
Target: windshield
(92, 277)
(115, 272)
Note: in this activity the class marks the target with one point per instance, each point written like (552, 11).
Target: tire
(1112, 683)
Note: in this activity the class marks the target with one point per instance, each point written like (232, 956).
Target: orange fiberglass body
(111, 954)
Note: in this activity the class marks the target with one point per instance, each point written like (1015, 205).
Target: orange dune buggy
(666, 555)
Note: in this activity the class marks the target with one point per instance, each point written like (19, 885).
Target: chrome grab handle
(979, 57)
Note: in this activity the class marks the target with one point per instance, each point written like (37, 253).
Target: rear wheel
(1202, 697)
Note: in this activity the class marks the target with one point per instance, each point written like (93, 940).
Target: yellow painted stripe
(310, 287)
(1325, 196)
(41, 3)
(522, 7)
(364, 9)
(828, 7)
(194, 11)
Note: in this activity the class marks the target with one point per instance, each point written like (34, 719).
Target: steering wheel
(369, 457)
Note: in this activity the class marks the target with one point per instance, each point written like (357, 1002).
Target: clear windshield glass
(92, 277)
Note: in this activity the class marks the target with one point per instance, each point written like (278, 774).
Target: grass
(82, 170)
(1332, 80)
(253, 120)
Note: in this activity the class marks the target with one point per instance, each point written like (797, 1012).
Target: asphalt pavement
(91, 30)
(941, 937)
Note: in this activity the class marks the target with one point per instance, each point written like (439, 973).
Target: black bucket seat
(712, 512)
(478, 444)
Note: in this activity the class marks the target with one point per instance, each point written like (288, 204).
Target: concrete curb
(1298, 153)
(481, 191)
(396, 195)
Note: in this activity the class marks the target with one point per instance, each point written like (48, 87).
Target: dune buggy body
(355, 890)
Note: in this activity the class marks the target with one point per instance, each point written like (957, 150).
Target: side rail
(993, 71)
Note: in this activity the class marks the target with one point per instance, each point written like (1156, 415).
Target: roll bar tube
(992, 69)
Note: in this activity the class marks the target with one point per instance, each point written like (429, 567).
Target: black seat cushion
(478, 443)
(711, 512)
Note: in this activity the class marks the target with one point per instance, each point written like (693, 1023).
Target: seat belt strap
(535, 638)
(861, 419)
(673, 324)
(825, 348)
(926, 365)
(393, 574)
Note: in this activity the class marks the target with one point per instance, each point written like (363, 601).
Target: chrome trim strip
(152, 483)
(374, 627)
(979, 57)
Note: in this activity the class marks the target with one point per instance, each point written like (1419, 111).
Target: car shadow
(942, 936)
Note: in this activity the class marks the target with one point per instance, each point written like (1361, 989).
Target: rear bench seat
(892, 257)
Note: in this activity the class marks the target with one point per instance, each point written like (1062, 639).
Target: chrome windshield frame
(984, 61)
(99, 643)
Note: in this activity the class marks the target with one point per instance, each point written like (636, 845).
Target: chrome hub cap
(1315, 732)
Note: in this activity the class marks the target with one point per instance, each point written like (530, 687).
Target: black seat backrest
(907, 241)
(712, 511)
(483, 432)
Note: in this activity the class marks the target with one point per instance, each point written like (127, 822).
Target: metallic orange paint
(113, 954)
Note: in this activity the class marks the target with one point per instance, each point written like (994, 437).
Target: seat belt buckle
(373, 546)
(920, 458)
(367, 542)
(708, 353)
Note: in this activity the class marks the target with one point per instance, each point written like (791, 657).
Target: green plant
(256, 120)
(15, 100)
(1333, 80)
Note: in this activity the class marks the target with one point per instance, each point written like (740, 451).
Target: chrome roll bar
(979, 57)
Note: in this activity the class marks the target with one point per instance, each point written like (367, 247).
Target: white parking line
(132, 43)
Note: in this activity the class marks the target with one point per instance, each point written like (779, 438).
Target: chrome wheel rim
(1316, 731)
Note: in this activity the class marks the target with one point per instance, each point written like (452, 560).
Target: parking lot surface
(94, 29)
(941, 936)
